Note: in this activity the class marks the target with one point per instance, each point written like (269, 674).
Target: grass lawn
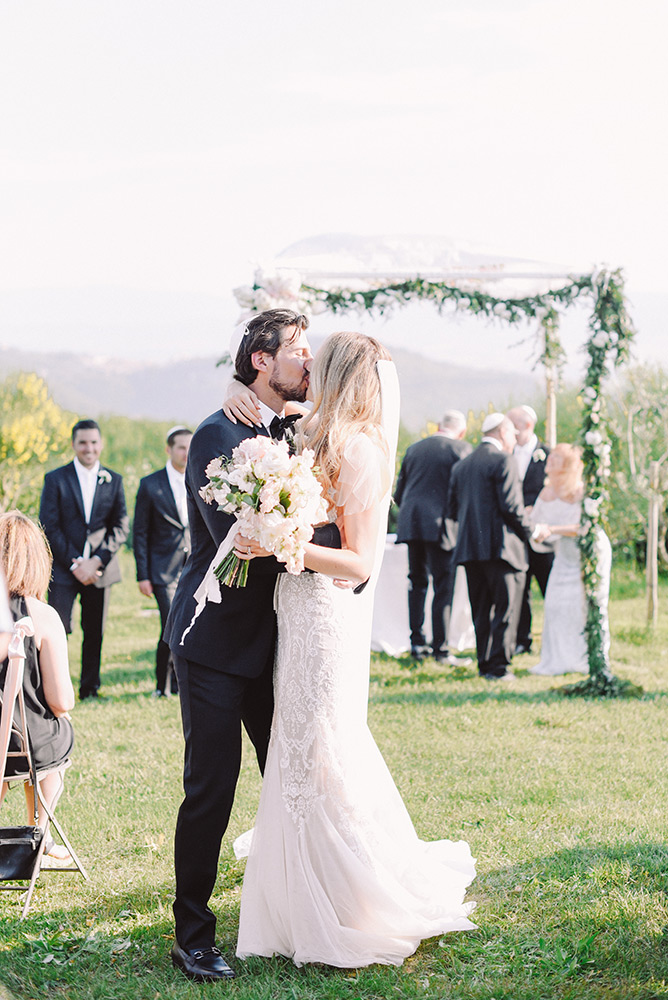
(563, 801)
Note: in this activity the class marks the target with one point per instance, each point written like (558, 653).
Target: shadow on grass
(585, 922)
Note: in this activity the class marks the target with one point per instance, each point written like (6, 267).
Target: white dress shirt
(88, 483)
(523, 453)
(177, 481)
(267, 414)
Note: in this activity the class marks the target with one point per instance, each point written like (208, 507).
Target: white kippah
(530, 412)
(492, 421)
(177, 429)
(238, 334)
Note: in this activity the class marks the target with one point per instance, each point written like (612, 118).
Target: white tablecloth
(390, 631)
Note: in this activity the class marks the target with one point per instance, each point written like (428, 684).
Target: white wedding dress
(336, 873)
(564, 648)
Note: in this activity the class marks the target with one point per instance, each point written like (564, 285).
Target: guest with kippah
(486, 500)
(161, 539)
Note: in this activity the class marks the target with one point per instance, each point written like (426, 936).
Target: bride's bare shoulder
(547, 494)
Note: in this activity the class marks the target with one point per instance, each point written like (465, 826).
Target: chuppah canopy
(377, 274)
(342, 258)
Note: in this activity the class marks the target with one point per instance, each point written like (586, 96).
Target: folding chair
(13, 723)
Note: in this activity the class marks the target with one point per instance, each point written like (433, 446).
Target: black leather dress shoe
(201, 964)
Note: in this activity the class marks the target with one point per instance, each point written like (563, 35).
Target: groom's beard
(290, 393)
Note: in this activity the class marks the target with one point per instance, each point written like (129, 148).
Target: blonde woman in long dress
(336, 873)
(557, 510)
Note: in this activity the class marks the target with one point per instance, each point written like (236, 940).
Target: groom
(224, 665)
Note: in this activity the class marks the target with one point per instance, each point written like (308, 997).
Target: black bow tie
(282, 427)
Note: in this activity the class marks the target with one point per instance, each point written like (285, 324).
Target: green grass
(564, 803)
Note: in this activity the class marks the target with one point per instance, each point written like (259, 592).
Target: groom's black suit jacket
(237, 635)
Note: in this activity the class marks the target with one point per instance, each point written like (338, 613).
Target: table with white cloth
(390, 630)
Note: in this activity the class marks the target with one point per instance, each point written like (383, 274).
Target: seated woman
(26, 560)
(557, 510)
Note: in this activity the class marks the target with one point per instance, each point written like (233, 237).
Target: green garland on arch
(608, 345)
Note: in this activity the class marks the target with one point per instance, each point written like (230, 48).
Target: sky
(163, 149)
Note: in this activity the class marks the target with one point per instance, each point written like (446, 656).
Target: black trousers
(540, 564)
(165, 677)
(494, 589)
(94, 607)
(425, 560)
(213, 707)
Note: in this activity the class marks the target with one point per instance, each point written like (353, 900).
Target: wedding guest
(486, 500)
(161, 541)
(422, 495)
(85, 520)
(530, 455)
(47, 689)
(557, 516)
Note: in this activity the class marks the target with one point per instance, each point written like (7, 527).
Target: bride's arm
(241, 404)
(355, 562)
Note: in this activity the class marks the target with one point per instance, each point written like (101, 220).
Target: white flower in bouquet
(600, 339)
(275, 498)
(590, 393)
(593, 439)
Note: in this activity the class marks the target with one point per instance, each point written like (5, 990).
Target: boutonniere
(539, 455)
(104, 476)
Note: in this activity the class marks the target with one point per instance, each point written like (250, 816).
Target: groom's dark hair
(265, 332)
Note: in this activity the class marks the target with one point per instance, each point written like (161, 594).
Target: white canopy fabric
(347, 260)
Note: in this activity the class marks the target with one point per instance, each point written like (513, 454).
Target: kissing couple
(335, 872)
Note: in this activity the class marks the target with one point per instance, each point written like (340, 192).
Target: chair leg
(61, 833)
(35, 875)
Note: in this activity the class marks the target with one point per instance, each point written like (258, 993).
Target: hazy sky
(168, 146)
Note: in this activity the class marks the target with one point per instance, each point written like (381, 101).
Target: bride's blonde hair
(564, 472)
(347, 400)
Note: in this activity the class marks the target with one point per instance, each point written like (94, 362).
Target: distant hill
(188, 390)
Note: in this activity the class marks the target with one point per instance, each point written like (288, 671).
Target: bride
(336, 873)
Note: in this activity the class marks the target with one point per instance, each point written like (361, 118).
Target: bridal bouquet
(275, 498)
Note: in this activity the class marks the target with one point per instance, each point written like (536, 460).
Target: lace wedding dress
(564, 649)
(336, 873)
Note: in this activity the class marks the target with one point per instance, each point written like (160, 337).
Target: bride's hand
(241, 404)
(248, 548)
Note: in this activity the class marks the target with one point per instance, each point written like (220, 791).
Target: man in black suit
(530, 455)
(422, 496)
(161, 541)
(84, 517)
(224, 664)
(486, 500)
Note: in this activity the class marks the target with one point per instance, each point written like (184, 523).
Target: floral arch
(377, 275)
